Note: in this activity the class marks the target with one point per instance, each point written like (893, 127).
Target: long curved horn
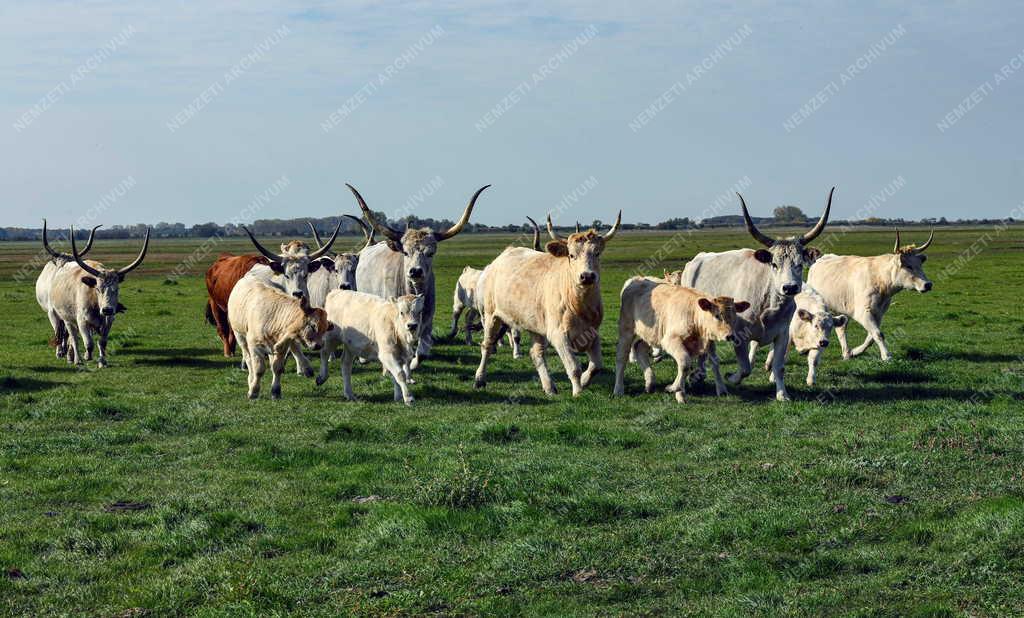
(926, 244)
(325, 248)
(142, 255)
(615, 228)
(896, 247)
(455, 229)
(57, 254)
(577, 227)
(367, 231)
(765, 240)
(273, 257)
(389, 232)
(551, 230)
(78, 258)
(316, 236)
(820, 227)
(536, 233)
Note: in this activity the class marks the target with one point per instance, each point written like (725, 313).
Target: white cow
(863, 287)
(268, 323)
(371, 327)
(44, 283)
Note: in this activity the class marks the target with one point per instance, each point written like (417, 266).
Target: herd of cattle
(378, 304)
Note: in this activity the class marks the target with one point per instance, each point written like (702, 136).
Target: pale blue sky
(421, 123)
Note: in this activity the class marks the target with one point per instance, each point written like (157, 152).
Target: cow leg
(302, 364)
(85, 331)
(104, 336)
(779, 366)
(643, 358)
(220, 320)
(326, 353)
(843, 344)
(712, 353)
(492, 329)
(514, 338)
(457, 308)
(74, 355)
(595, 364)
(874, 327)
(560, 342)
(471, 316)
(257, 367)
(397, 372)
(742, 360)
(537, 347)
(677, 351)
(426, 339)
(624, 352)
(277, 361)
(346, 373)
(812, 365)
(60, 336)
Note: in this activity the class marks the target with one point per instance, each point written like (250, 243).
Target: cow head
(342, 266)
(723, 311)
(106, 282)
(583, 250)
(813, 328)
(787, 256)
(910, 272)
(407, 320)
(675, 277)
(295, 262)
(61, 259)
(418, 246)
(315, 325)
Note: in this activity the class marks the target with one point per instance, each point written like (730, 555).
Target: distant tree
(789, 214)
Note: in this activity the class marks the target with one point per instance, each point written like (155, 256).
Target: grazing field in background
(155, 484)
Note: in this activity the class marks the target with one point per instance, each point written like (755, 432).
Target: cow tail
(209, 314)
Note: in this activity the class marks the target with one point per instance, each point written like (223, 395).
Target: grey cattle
(769, 279)
(337, 270)
(85, 296)
(404, 264)
(863, 287)
(44, 284)
(295, 263)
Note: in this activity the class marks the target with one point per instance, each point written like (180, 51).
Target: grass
(153, 485)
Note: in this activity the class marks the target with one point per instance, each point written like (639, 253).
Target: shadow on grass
(185, 361)
(915, 354)
(174, 352)
(10, 384)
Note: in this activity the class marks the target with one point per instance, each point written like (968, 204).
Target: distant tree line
(298, 228)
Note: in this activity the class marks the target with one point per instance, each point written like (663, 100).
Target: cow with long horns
(294, 264)
(769, 279)
(44, 284)
(555, 296)
(404, 264)
(85, 296)
(337, 270)
(862, 288)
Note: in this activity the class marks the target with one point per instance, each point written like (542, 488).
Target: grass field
(889, 489)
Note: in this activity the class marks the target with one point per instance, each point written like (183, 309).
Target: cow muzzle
(926, 287)
(108, 311)
(345, 286)
(588, 278)
(298, 295)
(731, 338)
(413, 327)
(791, 289)
(415, 273)
(823, 343)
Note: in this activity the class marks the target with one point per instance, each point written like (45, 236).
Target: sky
(128, 112)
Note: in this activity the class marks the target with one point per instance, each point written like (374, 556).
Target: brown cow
(220, 280)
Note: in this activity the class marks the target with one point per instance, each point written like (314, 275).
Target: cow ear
(330, 326)
(557, 248)
(705, 304)
(121, 308)
(314, 266)
(763, 255)
(805, 315)
(329, 265)
(89, 281)
(812, 254)
(277, 268)
(924, 258)
(742, 306)
(839, 320)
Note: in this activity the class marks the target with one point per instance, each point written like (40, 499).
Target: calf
(680, 320)
(464, 299)
(371, 327)
(863, 287)
(269, 323)
(809, 330)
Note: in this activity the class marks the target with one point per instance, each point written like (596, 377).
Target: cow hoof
(721, 392)
(308, 372)
(408, 402)
(479, 383)
(275, 394)
(254, 395)
(320, 380)
(680, 397)
(782, 397)
(618, 391)
(810, 382)
(648, 388)
(101, 363)
(735, 378)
